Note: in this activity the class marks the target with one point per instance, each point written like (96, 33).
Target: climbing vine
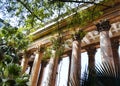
(58, 45)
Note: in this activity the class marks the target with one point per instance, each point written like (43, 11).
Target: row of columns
(109, 53)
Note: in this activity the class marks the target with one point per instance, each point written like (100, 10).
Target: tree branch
(29, 10)
(87, 2)
(90, 2)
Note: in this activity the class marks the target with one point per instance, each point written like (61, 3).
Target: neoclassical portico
(108, 45)
(76, 51)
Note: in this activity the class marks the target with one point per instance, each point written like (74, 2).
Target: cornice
(43, 36)
(63, 22)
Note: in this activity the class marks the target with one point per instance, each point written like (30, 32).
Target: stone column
(76, 59)
(54, 72)
(69, 54)
(58, 48)
(43, 66)
(51, 63)
(115, 46)
(24, 62)
(105, 44)
(91, 50)
(36, 67)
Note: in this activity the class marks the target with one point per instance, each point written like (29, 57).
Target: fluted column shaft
(91, 56)
(43, 66)
(76, 58)
(24, 62)
(36, 67)
(115, 46)
(53, 69)
(58, 48)
(51, 63)
(105, 43)
(54, 72)
(76, 61)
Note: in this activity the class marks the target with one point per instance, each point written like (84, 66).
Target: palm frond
(105, 74)
(108, 74)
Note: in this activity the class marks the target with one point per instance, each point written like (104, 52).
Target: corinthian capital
(103, 25)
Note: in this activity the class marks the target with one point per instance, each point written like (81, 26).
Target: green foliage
(84, 17)
(10, 75)
(58, 46)
(14, 37)
(105, 74)
(13, 70)
(23, 81)
(79, 35)
(12, 40)
(47, 54)
(34, 13)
